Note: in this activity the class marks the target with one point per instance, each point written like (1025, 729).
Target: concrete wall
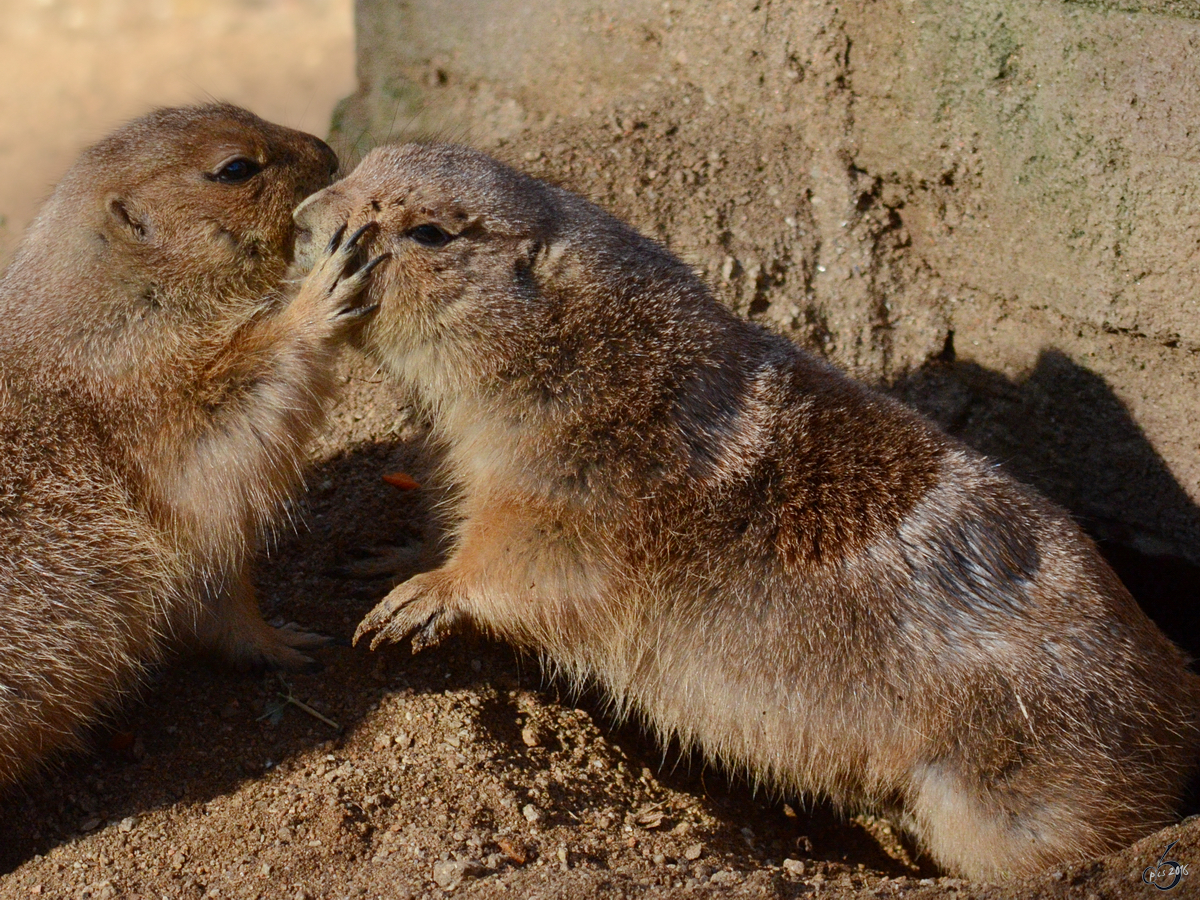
(992, 207)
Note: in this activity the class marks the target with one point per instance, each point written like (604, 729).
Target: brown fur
(777, 565)
(156, 395)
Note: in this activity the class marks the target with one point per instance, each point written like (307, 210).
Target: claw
(336, 240)
(365, 627)
(353, 241)
(370, 267)
(357, 312)
(426, 635)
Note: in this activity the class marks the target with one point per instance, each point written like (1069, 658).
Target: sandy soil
(462, 770)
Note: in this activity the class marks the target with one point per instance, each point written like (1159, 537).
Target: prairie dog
(753, 552)
(156, 395)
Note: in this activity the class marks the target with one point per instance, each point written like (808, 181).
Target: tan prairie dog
(780, 566)
(156, 395)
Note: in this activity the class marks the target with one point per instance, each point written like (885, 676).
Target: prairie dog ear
(127, 219)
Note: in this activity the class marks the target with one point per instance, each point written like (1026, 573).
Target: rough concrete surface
(987, 208)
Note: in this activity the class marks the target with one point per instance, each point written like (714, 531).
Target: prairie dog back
(778, 565)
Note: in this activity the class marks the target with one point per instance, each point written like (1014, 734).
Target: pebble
(531, 736)
(694, 852)
(128, 824)
(449, 874)
(793, 866)
(531, 812)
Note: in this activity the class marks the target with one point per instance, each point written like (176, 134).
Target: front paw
(337, 280)
(421, 606)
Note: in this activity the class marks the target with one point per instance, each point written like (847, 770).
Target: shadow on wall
(1062, 430)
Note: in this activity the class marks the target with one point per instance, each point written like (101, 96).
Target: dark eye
(236, 171)
(430, 236)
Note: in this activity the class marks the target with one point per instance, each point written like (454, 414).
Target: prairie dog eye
(430, 236)
(236, 171)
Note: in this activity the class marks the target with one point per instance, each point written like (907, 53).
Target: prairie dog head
(469, 241)
(164, 221)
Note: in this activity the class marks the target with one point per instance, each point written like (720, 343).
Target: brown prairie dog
(755, 553)
(156, 396)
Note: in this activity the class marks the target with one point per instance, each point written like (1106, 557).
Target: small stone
(266, 869)
(562, 855)
(128, 824)
(531, 736)
(694, 852)
(284, 833)
(793, 866)
(450, 873)
(659, 859)
(892, 196)
(383, 741)
(403, 740)
(89, 824)
(531, 813)
(650, 816)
